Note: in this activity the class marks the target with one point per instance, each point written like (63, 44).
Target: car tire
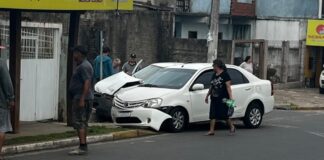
(253, 115)
(321, 90)
(179, 120)
(101, 117)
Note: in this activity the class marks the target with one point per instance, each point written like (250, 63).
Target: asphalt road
(284, 135)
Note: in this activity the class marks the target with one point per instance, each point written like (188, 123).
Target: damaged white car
(174, 96)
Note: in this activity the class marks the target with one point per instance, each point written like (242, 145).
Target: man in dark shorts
(6, 102)
(82, 97)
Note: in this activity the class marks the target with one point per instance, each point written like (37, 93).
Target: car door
(200, 110)
(241, 89)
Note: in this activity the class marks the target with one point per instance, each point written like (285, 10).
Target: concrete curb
(288, 106)
(15, 149)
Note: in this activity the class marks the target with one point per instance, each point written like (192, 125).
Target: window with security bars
(28, 43)
(46, 43)
(36, 43)
(183, 5)
(4, 40)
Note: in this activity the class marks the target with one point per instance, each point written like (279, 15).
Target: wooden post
(285, 62)
(73, 41)
(233, 51)
(263, 59)
(302, 48)
(265, 56)
(15, 64)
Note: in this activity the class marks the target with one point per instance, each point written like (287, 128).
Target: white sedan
(321, 82)
(174, 96)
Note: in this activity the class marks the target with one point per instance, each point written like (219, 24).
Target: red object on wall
(320, 29)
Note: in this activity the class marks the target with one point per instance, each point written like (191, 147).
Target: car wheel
(100, 117)
(178, 121)
(321, 90)
(253, 116)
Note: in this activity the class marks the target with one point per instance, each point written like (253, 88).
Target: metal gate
(39, 69)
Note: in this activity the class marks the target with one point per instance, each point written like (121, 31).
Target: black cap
(133, 55)
(83, 50)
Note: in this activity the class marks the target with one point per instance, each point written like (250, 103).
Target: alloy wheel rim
(255, 116)
(178, 120)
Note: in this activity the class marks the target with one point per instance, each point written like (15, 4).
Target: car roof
(203, 66)
(167, 64)
(198, 66)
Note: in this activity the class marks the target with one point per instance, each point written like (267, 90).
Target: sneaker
(78, 152)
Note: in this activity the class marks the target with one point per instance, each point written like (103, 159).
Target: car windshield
(147, 72)
(172, 78)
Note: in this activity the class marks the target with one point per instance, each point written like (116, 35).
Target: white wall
(227, 31)
(278, 30)
(201, 28)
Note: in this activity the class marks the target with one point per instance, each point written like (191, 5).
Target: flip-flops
(210, 134)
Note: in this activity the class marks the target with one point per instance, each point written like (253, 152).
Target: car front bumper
(321, 82)
(140, 117)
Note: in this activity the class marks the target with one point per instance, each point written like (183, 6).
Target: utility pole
(101, 54)
(213, 32)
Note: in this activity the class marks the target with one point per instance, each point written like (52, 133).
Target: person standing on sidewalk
(247, 64)
(130, 65)
(220, 89)
(107, 68)
(116, 65)
(82, 97)
(6, 102)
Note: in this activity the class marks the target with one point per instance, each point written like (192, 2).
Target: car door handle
(247, 89)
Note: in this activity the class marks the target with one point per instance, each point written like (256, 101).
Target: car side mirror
(198, 87)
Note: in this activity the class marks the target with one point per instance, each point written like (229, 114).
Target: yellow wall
(67, 4)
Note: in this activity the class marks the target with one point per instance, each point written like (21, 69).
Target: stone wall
(188, 50)
(139, 32)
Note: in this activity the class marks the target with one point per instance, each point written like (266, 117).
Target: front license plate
(123, 114)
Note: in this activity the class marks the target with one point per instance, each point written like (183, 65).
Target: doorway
(40, 56)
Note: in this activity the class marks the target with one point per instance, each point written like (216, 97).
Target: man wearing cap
(129, 66)
(6, 102)
(82, 97)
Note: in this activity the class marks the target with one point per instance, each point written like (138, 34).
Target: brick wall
(243, 9)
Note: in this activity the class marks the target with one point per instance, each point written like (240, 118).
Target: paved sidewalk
(299, 99)
(46, 128)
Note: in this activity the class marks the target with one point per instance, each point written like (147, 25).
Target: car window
(169, 78)
(205, 78)
(146, 72)
(237, 77)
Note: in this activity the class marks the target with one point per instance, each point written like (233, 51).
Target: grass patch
(94, 130)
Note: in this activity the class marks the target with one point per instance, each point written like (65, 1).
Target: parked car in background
(321, 82)
(106, 88)
(174, 97)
